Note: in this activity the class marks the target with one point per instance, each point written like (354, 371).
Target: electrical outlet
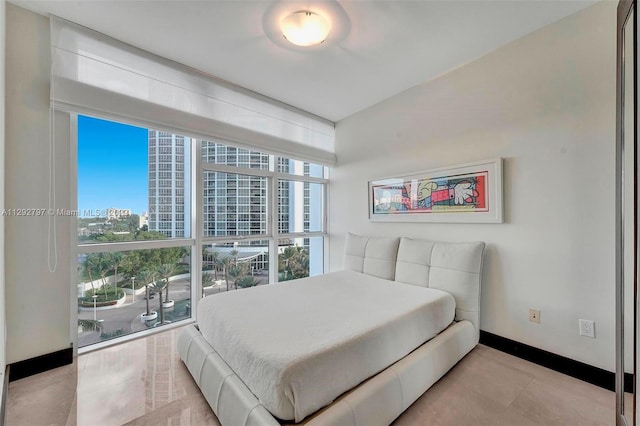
(534, 315)
(587, 328)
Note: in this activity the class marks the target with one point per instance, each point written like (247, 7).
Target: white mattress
(298, 345)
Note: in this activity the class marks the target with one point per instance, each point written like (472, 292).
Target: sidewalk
(126, 317)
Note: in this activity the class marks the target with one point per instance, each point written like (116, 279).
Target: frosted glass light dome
(305, 28)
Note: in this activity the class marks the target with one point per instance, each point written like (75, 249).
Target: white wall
(38, 301)
(546, 104)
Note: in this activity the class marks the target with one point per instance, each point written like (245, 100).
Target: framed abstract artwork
(466, 193)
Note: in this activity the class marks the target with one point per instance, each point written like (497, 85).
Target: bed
(353, 347)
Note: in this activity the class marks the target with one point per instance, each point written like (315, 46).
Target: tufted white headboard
(453, 267)
(371, 255)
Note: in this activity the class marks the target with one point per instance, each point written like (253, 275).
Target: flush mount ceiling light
(305, 28)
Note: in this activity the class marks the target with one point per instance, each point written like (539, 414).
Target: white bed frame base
(452, 267)
(377, 401)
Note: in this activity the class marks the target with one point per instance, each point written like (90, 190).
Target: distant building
(143, 220)
(234, 204)
(169, 191)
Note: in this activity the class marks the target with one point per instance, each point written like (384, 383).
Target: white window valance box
(94, 73)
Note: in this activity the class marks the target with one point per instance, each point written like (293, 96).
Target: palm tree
(145, 277)
(211, 259)
(300, 264)
(226, 263)
(159, 286)
(165, 271)
(234, 254)
(237, 271)
(133, 262)
(116, 260)
(103, 270)
(90, 263)
(217, 265)
(288, 254)
(215, 260)
(207, 280)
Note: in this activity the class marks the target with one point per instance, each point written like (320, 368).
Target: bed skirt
(377, 401)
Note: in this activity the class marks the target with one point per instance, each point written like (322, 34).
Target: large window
(271, 202)
(144, 256)
(134, 229)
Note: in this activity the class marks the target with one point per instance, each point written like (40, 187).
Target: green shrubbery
(106, 296)
(246, 281)
(293, 263)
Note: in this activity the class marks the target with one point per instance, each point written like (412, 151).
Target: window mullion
(115, 268)
(273, 223)
(298, 178)
(134, 245)
(233, 239)
(226, 159)
(302, 234)
(197, 213)
(222, 168)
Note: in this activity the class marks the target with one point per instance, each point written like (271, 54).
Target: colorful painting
(471, 192)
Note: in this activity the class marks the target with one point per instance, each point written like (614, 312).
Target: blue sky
(112, 166)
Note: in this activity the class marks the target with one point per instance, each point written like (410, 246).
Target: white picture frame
(464, 193)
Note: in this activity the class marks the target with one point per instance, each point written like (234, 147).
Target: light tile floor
(143, 382)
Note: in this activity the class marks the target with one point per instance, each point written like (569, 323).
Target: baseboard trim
(579, 370)
(29, 367)
(588, 373)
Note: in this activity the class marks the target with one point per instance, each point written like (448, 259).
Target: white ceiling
(376, 49)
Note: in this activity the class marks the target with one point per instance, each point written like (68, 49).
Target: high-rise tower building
(169, 188)
(235, 204)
